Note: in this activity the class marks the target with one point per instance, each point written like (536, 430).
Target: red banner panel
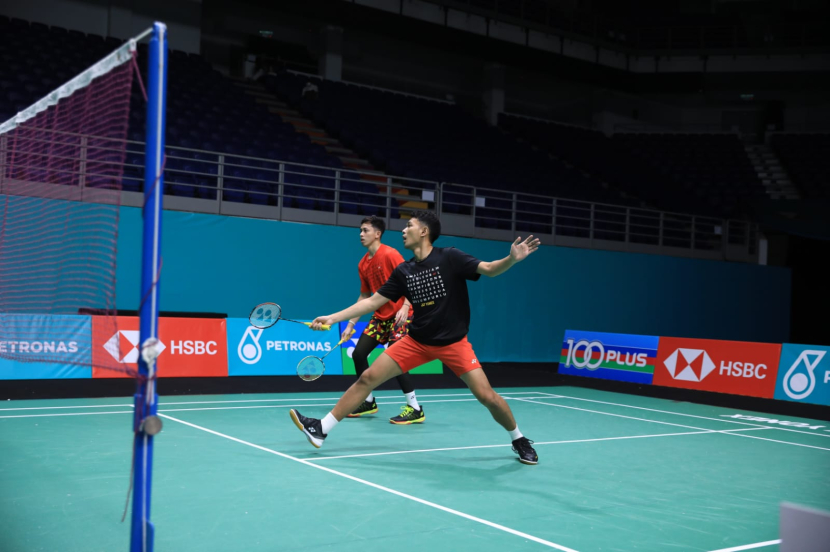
(191, 347)
(735, 367)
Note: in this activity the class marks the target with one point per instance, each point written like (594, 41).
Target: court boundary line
(535, 400)
(381, 487)
(728, 421)
(252, 401)
(60, 414)
(668, 423)
(536, 443)
(748, 546)
(252, 407)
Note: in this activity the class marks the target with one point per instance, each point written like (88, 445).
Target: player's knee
(488, 398)
(369, 379)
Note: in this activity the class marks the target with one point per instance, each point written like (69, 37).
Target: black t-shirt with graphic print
(437, 289)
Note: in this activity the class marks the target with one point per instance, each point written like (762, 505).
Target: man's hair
(430, 220)
(376, 222)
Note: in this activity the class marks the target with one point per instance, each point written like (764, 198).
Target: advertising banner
(63, 340)
(275, 351)
(736, 367)
(190, 347)
(804, 374)
(609, 356)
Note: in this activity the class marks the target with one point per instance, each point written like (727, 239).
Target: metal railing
(625, 35)
(597, 222)
(228, 183)
(280, 185)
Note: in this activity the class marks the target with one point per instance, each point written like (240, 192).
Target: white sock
(412, 401)
(515, 434)
(328, 423)
(370, 398)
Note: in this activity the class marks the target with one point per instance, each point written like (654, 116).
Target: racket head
(265, 315)
(310, 368)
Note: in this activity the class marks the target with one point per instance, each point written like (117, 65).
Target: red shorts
(409, 354)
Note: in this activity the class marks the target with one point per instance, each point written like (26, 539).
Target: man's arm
(347, 333)
(364, 306)
(354, 319)
(519, 251)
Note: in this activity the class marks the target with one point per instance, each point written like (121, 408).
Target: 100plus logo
(619, 357)
(593, 355)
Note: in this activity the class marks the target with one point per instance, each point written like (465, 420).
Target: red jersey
(374, 271)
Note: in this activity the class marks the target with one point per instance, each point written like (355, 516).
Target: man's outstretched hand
(519, 250)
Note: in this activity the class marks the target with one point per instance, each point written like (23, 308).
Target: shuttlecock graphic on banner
(123, 346)
(689, 364)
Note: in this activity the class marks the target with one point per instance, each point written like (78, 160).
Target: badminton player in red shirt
(388, 324)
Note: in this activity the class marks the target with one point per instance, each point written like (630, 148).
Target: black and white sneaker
(527, 455)
(312, 428)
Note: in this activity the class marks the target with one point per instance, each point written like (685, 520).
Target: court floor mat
(616, 472)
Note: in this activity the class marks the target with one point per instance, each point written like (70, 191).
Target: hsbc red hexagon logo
(735, 367)
(123, 346)
(689, 364)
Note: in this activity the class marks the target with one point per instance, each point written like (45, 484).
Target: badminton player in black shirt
(435, 283)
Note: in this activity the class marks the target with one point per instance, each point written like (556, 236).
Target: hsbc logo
(696, 364)
(123, 347)
(689, 364)
(190, 347)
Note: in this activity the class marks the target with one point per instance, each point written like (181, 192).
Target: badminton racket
(312, 367)
(266, 315)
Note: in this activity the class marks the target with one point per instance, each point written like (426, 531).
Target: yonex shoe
(409, 415)
(527, 455)
(312, 428)
(365, 408)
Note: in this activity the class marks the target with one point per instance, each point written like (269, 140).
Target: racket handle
(324, 326)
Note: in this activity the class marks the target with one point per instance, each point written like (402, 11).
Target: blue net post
(146, 397)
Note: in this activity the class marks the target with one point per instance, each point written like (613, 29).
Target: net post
(146, 398)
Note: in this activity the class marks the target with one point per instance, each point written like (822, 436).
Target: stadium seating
(706, 174)
(805, 156)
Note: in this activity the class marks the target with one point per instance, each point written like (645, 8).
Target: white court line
(611, 414)
(64, 407)
(777, 441)
(252, 407)
(292, 406)
(728, 432)
(749, 546)
(162, 403)
(65, 414)
(381, 488)
(728, 421)
(535, 443)
(338, 398)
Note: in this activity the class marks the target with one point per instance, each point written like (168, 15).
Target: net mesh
(61, 163)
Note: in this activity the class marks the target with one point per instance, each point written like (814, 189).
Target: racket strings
(310, 368)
